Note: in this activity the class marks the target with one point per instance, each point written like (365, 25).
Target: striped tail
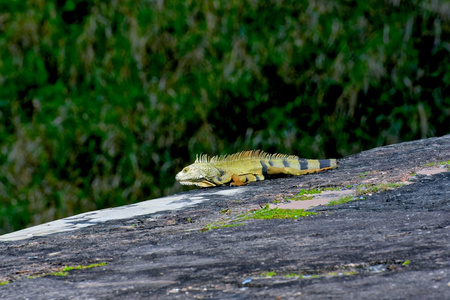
(317, 164)
(301, 163)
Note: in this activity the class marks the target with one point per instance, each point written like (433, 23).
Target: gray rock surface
(393, 244)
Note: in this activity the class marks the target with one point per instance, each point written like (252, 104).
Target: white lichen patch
(319, 199)
(122, 212)
(432, 171)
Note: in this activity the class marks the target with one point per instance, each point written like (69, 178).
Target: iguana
(247, 166)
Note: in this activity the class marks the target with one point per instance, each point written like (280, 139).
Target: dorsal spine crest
(252, 154)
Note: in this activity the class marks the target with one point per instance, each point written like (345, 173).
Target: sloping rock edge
(392, 244)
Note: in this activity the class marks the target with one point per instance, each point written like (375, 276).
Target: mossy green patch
(4, 282)
(342, 273)
(341, 200)
(438, 163)
(309, 194)
(70, 268)
(64, 271)
(330, 189)
(218, 225)
(406, 262)
(362, 175)
(267, 213)
(268, 274)
(303, 195)
(364, 189)
(312, 276)
(300, 198)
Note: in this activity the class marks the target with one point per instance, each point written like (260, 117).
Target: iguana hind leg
(238, 180)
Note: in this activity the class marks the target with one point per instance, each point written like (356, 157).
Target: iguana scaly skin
(246, 166)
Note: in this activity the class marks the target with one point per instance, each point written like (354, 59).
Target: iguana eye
(185, 170)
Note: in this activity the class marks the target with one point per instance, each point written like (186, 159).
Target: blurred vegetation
(102, 102)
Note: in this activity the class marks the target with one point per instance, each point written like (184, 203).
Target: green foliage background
(102, 102)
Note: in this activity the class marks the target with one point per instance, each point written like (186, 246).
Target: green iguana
(247, 166)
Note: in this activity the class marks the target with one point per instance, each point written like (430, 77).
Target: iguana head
(200, 174)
